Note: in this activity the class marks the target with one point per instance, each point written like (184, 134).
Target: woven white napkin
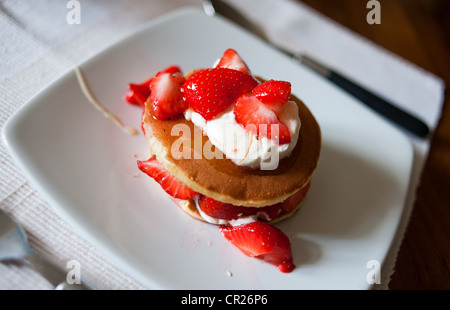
(38, 46)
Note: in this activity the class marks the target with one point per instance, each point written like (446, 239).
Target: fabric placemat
(39, 45)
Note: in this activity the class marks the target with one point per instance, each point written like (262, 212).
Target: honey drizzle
(87, 92)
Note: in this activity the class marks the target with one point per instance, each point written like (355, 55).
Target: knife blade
(377, 103)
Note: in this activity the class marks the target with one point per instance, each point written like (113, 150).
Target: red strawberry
(273, 94)
(293, 201)
(211, 91)
(220, 210)
(269, 213)
(232, 60)
(166, 96)
(154, 169)
(256, 117)
(172, 69)
(263, 241)
(138, 93)
(227, 211)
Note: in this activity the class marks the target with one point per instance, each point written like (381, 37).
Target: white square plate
(85, 167)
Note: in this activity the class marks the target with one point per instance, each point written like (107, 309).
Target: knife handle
(380, 105)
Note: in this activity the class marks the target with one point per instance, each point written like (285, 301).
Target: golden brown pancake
(220, 178)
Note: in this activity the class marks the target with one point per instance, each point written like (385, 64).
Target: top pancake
(221, 179)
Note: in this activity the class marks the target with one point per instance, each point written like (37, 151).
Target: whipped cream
(243, 147)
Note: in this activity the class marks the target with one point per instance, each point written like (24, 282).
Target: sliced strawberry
(210, 91)
(274, 94)
(256, 117)
(293, 201)
(227, 211)
(138, 93)
(154, 169)
(172, 69)
(166, 96)
(232, 60)
(263, 241)
(269, 213)
(220, 210)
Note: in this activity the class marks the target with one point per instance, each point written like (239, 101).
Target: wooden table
(419, 31)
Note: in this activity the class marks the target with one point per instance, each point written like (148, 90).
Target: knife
(402, 118)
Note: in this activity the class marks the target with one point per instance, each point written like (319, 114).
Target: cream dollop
(243, 147)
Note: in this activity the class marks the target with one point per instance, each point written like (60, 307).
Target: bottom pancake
(191, 207)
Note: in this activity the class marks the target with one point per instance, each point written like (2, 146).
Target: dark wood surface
(419, 31)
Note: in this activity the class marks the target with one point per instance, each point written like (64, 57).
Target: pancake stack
(219, 178)
(226, 182)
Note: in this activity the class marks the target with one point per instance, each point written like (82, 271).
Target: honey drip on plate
(87, 92)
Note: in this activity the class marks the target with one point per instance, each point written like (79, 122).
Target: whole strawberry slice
(210, 91)
(154, 169)
(260, 119)
(274, 94)
(227, 211)
(232, 60)
(165, 94)
(263, 241)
